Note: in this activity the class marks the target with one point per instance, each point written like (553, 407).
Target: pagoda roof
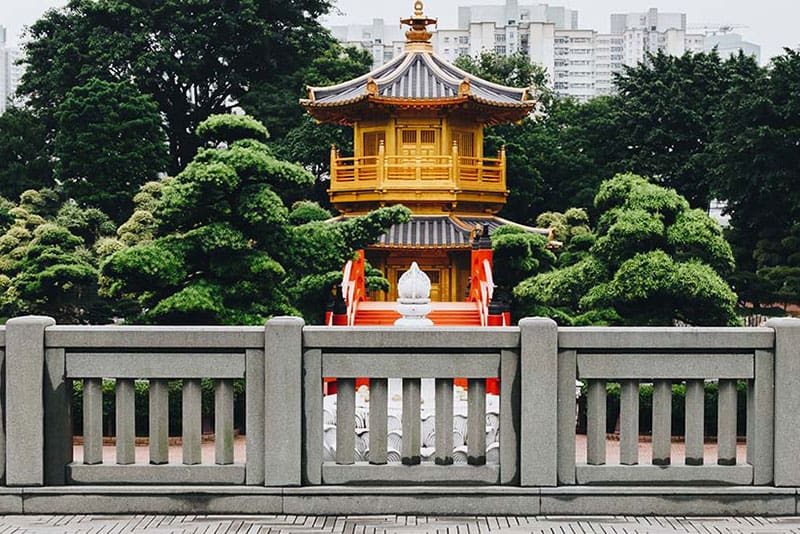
(418, 78)
(443, 231)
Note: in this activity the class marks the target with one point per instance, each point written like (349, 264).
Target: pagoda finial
(418, 36)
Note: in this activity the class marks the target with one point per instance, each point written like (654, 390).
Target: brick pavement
(389, 524)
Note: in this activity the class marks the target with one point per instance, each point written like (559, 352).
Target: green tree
(48, 263)
(194, 57)
(109, 143)
(517, 254)
(556, 158)
(225, 249)
(757, 168)
(669, 112)
(24, 156)
(298, 137)
(515, 70)
(654, 260)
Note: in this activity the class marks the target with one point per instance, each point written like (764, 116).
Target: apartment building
(504, 29)
(651, 32)
(382, 41)
(581, 63)
(10, 72)
(730, 44)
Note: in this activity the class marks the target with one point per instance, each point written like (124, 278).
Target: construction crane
(715, 29)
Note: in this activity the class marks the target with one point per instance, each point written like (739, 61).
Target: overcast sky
(772, 24)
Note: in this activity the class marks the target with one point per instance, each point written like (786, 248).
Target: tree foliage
(24, 156)
(654, 261)
(109, 143)
(48, 261)
(195, 58)
(668, 117)
(298, 137)
(556, 158)
(757, 169)
(514, 71)
(218, 245)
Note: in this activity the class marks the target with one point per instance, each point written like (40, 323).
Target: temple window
(466, 143)
(372, 142)
(418, 142)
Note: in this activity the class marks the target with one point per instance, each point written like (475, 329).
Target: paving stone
(291, 524)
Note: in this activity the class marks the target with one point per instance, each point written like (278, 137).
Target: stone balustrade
(533, 468)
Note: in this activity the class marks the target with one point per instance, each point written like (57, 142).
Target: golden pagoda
(418, 126)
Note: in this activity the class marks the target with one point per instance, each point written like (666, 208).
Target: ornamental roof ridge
(419, 78)
(418, 75)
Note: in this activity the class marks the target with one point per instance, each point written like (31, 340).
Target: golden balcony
(432, 183)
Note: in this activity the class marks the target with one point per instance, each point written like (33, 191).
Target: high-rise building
(382, 41)
(581, 63)
(10, 71)
(504, 29)
(512, 14)
(730, 44)
(651, 20)
(651, 32)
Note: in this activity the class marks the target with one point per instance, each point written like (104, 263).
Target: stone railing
(410, 356)
(524, 459)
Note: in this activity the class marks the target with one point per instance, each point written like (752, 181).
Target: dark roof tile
(418, 75)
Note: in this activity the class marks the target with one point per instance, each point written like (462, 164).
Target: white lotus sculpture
(414, 301)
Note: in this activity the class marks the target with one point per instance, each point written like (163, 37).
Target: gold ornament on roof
(372, 87)
(419, 25)
(464, 88)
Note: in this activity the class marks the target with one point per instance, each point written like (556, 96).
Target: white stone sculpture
(414, 302)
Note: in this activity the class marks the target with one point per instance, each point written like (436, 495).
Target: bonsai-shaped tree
(653, 261)
(218, 245)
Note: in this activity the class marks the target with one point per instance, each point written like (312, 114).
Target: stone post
(787, 401)
(25, 358)
(283, 408)
(539, 407)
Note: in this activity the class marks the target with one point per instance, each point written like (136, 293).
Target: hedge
(613, 390)
(142, 405)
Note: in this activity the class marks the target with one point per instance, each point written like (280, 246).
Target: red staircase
(369, 313)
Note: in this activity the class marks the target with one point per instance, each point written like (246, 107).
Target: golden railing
(388, 172)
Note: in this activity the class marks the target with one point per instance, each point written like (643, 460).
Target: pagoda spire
(419, 37)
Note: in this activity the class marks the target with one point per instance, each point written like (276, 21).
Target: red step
(443, 314)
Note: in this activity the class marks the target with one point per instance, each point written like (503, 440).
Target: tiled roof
(495, 222)
(427, 232)
(442, 231)
(418, 76)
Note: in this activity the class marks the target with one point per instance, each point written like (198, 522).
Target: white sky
(773, 24)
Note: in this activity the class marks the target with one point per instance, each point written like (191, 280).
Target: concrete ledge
(492, 500)
(660, 338)
(172, 365)
(153, 500)
(711, 475)
(185, 503)
(156, 474)
(364, 473)
(10, 501)
(687, 501)
(385, 338)
(148, 490)
(433, 500)
(155, 337)
(456, 491)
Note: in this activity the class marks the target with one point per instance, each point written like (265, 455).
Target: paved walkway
(271, 524)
